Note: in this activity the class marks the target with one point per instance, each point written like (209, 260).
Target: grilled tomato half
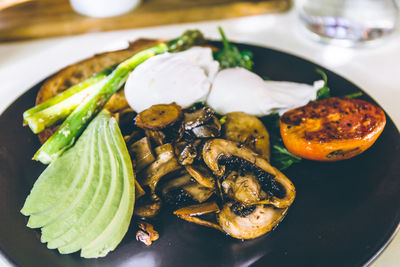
(332, 129)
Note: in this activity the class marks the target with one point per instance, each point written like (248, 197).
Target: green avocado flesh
(106, 192)
(59, 179)
(75, 195)
(64, 223)
(89, 192)
(115, 231)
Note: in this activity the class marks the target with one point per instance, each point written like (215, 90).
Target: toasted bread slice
(82, 70)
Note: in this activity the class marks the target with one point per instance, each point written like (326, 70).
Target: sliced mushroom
(157, 137)
(243, 187)
(146, 233)
(177, 182)
(202, 175)
(197, 117)
(201, 124)
(210, 130)
(162, 123)
(198, 192)
(126, 120)
(248, 130)
(183, 190)
(159, 117)
(139, 192)
(134, 136)
(141, 154)
(198, 209)
(147, 206)
(187, 152)
(189, 214)
(165, 163)
(248, 222)
(221, 155)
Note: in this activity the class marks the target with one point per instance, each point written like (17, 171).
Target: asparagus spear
(58, 111)
(30, 114)
(76, 122)
(59, 107)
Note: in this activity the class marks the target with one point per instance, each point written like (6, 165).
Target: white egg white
(183, 78)
(237, 89)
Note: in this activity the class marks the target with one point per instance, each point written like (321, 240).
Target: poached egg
(237, 89)
(184, 78)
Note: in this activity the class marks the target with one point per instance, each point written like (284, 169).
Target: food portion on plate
(206, 167)
(332, 129)
(174, 71)
(180, 125)
(84, 200)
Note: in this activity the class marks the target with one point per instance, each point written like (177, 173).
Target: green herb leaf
(353, 95)
(281, 158)
(230, 56)
(324, 91)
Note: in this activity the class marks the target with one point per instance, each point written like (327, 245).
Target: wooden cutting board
(27, 19)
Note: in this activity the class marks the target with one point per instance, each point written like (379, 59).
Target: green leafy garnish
(281, 158)
(353, 95)
(230, 56)
(324, 91)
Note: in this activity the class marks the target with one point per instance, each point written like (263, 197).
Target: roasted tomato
(332, 129)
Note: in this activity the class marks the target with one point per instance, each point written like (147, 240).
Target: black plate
(343, 215)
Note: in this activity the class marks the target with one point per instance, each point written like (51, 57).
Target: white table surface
(376, 69)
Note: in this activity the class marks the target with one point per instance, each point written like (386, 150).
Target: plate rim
(394, 231)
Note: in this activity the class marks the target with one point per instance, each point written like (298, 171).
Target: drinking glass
(103, 8)
(349, 22)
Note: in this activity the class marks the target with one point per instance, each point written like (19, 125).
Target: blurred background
(27, 19)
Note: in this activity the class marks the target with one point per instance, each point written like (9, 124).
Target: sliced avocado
(98, 201)
(71, 218)
(109, 239)
(95, 213)
(107, 212)
(58, 179)
(75, 195)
